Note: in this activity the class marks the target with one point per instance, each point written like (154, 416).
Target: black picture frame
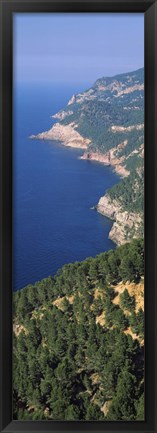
(149, 8)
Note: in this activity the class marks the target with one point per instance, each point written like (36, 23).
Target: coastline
(125, 224)
(70, 137)
(107, 160)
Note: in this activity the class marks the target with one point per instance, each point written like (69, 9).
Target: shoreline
(68, 136)
(106, 160)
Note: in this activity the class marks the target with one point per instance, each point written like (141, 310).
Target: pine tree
(123, 404)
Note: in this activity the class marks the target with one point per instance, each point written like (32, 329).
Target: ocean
(53, 190)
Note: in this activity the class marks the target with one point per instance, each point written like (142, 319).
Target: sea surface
(53, 190)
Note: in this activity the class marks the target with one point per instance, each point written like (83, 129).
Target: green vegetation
(130, 192)
(73, 358)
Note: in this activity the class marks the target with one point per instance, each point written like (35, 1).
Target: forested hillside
(78, 341)
(109, 113)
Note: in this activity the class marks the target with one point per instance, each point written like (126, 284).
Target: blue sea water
(53, 191)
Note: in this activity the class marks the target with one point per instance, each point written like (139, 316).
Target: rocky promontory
(126, 224)
(66, 134)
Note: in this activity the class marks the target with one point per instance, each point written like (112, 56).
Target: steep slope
(65, 329)
(107, 121)
(124, 204)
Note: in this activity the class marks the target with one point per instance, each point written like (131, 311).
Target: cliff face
(126, 225)
(108, 158)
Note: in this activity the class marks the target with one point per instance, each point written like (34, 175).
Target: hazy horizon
(51, 47)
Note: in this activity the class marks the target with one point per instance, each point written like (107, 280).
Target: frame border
(7, 8)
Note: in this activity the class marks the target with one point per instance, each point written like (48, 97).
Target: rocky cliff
(66, 134)
(109, 158)
(126, 224)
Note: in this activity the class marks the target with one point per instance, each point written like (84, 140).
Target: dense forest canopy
(78, 341)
